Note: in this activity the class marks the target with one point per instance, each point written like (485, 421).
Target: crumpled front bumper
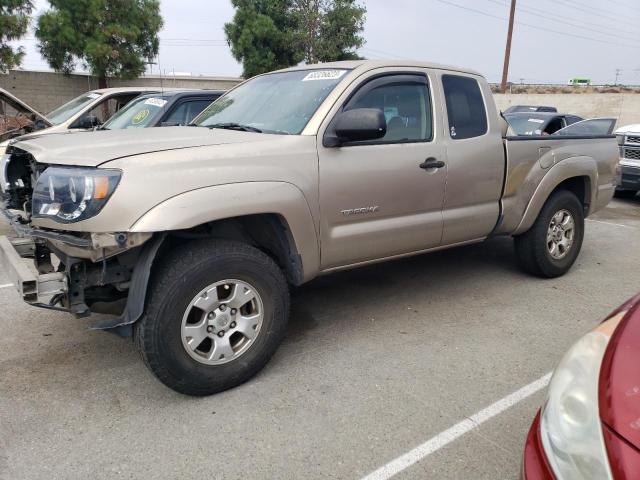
(16, 261)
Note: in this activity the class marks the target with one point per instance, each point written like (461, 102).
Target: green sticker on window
(140, 116)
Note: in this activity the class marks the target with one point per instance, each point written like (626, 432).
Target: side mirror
(357, 125)
(86, 122)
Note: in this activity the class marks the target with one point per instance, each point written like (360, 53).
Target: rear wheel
(216, 312)
(553, 243)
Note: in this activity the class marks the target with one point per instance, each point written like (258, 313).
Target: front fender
(581, 166)
(219, 202)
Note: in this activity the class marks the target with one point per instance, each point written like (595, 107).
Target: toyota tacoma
(190, 238)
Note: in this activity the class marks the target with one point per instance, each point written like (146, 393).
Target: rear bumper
(534, 462)
(34, 288)
(629, 178)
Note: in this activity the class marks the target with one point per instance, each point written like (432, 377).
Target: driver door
(376, 200)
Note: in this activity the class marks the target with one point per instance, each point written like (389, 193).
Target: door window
(406, 104)
(186, 111)
(107, 108)
(465, 107)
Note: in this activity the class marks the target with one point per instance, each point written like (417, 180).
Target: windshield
(525, 124)
(275, 103)
(137, 114)
(69, 109)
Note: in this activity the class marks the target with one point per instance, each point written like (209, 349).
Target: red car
(589, 427)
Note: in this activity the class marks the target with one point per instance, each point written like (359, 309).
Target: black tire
(531, 247)
(176, 281)
(625, 193)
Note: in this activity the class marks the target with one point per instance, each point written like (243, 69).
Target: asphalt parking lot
(377, 361)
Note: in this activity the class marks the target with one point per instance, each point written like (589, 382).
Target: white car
(84, 112)
(629, 178)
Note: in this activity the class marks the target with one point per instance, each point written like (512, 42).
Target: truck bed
(533, 163)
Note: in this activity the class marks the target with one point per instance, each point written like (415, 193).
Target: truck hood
(94, 148)
(7, 130)
(629, 129)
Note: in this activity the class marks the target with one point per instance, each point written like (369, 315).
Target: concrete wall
(45, 91)
(624, 106)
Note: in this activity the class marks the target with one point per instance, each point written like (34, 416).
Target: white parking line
(444, 438)
(6, 285)
(610, 223)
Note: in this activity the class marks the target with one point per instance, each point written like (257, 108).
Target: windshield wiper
(235, 126)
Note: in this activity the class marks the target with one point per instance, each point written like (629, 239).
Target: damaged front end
(77, 272)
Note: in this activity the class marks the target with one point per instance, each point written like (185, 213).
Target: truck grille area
(632, 153)
(19, 173)
(633, 139)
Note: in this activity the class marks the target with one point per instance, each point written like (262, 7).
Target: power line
(593, 11)
(598, 25)
(565, 22)
(480, 12)
(623, 4)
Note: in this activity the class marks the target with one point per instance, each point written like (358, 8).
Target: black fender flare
(122, 325)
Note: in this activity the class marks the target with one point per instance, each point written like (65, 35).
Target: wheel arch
(578, 175)
(273, 216)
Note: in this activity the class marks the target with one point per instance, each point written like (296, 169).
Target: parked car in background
(629, 180)
(589, 426)
(193, 235)
(539, 123)
(529, 108)
(92, 109)
(83, 113)
(162, 109)
(17, 118)
(592, 126)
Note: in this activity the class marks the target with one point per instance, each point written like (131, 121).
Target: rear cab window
(465, 107)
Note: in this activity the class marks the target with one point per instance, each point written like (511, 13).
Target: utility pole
(617, 75)
(507, 53)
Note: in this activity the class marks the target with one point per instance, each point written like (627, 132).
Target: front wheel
(216, 312)
(550, 247)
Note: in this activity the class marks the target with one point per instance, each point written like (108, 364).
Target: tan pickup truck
(189, 238)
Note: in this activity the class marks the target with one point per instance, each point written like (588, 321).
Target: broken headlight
(68, 195)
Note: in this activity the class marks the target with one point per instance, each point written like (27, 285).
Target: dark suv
(171, 108)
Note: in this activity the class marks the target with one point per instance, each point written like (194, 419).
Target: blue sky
(553, 39)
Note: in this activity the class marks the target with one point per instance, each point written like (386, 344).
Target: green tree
(266, 35)
(330, 30)
(262, 35)
(14, 21)
(113, 38)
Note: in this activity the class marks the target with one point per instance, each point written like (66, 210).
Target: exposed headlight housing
(570, 425)
(68, 195)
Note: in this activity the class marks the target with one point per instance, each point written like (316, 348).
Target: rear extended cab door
(475, 158)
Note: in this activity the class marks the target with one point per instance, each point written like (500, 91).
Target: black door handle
(431, 162)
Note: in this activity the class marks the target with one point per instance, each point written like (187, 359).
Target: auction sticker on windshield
(324, 75)
(156, 102)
